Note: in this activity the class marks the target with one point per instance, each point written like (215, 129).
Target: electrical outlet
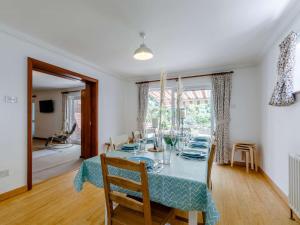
(4, 173)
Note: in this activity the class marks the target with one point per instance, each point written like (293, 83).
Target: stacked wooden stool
(248, 149)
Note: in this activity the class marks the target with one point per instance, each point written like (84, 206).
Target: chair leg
(256, 159)
(247, 162)
(48, 140)
(51, 141)
(232, 155)
(203, 217)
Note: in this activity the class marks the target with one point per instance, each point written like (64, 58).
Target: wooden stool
(251, 152)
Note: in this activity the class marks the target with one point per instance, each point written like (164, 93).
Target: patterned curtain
(221, 92)
(143, 90)
(283, 91)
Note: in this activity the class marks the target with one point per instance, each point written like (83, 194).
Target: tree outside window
(197, 103)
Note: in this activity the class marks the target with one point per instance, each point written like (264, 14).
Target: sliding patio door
(197, 103)
(72, 115)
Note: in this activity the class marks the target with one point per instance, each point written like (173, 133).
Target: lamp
(143, 52)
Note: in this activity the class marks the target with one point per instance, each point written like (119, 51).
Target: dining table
(181, 184)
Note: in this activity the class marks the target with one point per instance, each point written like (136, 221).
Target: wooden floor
(242, 199)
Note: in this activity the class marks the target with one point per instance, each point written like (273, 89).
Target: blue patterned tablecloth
(181, 185)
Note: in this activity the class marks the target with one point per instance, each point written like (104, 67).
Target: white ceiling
(42, 81)
(185, 35)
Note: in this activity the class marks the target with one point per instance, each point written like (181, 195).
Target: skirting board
(275, 187)
(272, 184)
(277, 190)
(13, 193)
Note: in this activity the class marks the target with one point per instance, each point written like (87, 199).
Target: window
(198, 111)
(197, 103)
(74, 115)
(153, 108)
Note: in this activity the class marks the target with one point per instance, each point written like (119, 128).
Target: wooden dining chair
(136, 135)
(210, 161)
(117, 141)
(130, 211)
(181, 215)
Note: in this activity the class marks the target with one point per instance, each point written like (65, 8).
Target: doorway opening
(62, 120)
(56, 125)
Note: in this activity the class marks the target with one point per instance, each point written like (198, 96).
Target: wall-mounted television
(46, 106)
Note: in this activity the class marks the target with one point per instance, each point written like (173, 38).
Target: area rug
(49, 158)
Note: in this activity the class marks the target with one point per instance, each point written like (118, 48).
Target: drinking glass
(167, 154)
(142, 145)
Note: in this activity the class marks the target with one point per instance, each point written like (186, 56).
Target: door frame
(37, 65)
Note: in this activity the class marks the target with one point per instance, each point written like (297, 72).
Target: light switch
(11, 99)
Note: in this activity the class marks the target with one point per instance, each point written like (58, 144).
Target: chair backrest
(136, 135)
(211, 157)
(115, 142)
(72, 129)
(121, 199)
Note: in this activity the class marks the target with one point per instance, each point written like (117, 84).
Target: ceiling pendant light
(143, 52)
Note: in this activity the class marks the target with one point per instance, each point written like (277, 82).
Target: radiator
(294, 183)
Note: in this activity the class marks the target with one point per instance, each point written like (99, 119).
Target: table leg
(105, 215)
(247, 161)
(193, 215)
(232, 155)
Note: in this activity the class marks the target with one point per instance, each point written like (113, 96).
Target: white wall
(13, 117)
(245, 106)
(279, 125)
(130, 107)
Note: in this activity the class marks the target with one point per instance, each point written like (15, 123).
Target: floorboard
(241, 198)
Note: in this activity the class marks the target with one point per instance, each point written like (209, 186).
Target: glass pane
(198, 111)
(74, 104)
(196, 102)
(153, 108)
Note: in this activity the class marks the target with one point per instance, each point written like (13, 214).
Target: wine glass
(173, 138)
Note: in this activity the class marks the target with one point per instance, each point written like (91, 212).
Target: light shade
(143, 53)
